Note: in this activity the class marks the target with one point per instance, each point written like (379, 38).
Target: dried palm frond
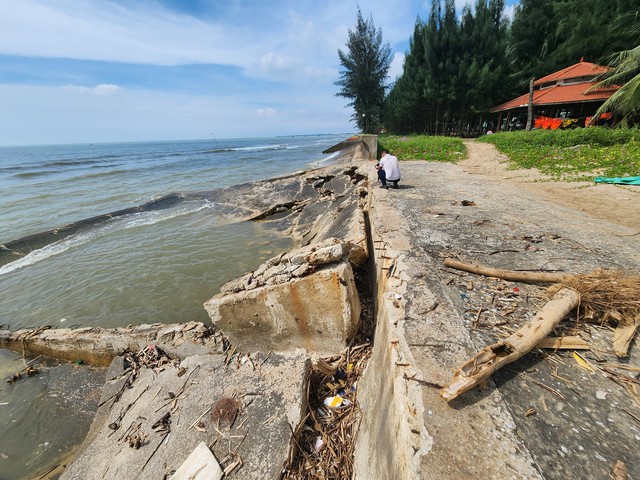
(605, 295)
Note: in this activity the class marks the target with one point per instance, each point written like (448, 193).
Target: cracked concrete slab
(157, 423)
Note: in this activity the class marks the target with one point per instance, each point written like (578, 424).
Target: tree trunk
(530, 106)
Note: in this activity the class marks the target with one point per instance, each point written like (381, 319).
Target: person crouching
(388, 169)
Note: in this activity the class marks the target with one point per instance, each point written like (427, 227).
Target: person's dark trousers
(382, 176)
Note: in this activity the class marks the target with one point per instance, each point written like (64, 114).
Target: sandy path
(616, 204)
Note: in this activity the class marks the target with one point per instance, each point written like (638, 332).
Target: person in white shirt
(388, 169)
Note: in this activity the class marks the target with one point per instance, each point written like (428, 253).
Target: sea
(155, 266)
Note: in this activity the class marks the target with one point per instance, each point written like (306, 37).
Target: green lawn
(423, 147)
(573, 155)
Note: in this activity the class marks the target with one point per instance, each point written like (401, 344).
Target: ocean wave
(173, 154)
(260, 147)
(75, 178)
(40, 173)
(43, 173)
(126, 222)
(80, 161)
(255, 148)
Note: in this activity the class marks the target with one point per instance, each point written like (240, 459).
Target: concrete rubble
(306, 297)
(98, 346)
(200, 465)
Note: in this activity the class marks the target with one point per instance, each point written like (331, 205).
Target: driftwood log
(521, 342)
(624, 334)
(564, 343)
(513, 276)
(608, 294)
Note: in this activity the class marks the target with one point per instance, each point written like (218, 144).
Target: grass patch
(423, 147)
(573, 155)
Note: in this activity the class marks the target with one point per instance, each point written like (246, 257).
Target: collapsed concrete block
(319, 312)
(248, 406)
(99, 346)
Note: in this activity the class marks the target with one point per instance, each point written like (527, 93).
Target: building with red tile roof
(561, 95)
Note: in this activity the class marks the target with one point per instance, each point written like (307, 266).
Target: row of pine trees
(460, 64)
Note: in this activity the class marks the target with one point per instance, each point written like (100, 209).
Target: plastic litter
(336, 402)
(333, 402)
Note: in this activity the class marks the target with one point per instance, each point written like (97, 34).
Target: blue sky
(82, 71)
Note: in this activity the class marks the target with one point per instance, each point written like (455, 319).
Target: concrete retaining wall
(392, 436)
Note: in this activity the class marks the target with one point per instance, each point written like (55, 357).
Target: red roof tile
(558, 94)
(580, 69)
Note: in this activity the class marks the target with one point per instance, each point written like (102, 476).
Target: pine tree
(454, 72)
(531, 40)
(366, 63)
(405, 106)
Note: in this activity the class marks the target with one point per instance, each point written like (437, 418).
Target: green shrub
(573, 155)
(423, 147)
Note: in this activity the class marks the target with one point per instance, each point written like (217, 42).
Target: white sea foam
(325, 161)
(125, 222)
(259, 147)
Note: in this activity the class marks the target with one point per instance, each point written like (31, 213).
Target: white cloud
(102, 90)
(274, 63)
(107, 31)
(292, 44)
(266, 112)
(288, 41)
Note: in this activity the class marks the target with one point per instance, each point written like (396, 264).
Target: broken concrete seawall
(304, 302)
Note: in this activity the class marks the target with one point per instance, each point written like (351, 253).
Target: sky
(89, 71)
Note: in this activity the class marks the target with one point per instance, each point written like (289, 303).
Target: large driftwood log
(496, 356)
(526, 277)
